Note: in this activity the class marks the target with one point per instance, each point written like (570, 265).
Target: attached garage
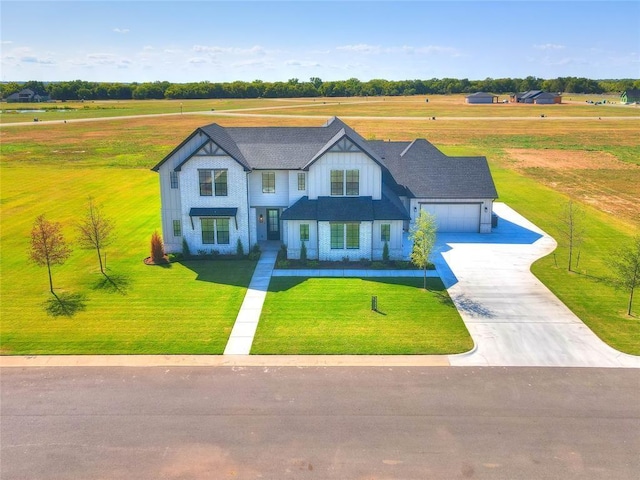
(455, 217)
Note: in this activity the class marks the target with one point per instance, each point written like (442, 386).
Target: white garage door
(455, 217)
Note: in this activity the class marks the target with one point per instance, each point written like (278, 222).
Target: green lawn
(334, 316)
(187, 308)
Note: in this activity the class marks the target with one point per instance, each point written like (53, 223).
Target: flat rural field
(589, 153)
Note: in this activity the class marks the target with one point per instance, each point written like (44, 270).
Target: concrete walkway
(244, 329)
(513, 318)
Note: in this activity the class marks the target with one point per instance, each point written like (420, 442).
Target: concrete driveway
(513, 318)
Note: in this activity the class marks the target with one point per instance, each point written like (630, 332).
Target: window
(337, 236)
(337, 182)
(174, 179)
(353, 182)
(304, 232)
(353, 235)
(268, 182)
(177, 228)
(302, 182)
(385, 232)
(205, 183)
(220, 177)
(222, 231)
(207, 230)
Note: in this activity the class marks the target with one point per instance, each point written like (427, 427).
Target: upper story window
(205, 183)
(173, 176)
(268, 182)
(220, 177)
(345, 182)
(302, 181)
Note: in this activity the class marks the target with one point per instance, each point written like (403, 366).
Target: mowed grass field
(52, 169)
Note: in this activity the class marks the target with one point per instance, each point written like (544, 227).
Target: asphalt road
(323, 423)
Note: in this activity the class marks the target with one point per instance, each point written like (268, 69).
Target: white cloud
(549, 46)
(148, 48)
(6, 42)
(406, 49)
(215, 50)
(197, 60)
(121, 30)
(360, 48)
(38, 60)
(297, 63)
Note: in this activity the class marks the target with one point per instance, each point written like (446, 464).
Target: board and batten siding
(236, 198)
(319, 178)
(292, 239)
(294, 193)
(170, 198)
(395, 242)
(280, 198)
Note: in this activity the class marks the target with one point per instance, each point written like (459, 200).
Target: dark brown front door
(273, 224)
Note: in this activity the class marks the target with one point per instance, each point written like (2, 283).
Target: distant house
(481, 97)
(26, 96)
(630, 96)
(327, 187)
(537, 97)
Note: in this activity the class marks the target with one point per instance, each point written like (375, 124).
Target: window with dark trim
(302, 184)
(177, 228)
(304, 232)
(268, 182)
(337, 236)
(205, 183)
(222, 230)
(173, 176)
(220, 179)
(337, 182)
(208, 231)
(385, 232)
(353, 235)
(353, 182)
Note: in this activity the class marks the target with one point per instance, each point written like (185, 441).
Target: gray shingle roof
(344, 209)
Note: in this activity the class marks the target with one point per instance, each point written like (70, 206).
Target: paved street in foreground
(320, 422)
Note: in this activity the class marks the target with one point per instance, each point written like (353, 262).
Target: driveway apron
(513, 318)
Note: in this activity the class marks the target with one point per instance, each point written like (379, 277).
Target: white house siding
(236, 198)
(325, 252)
(319, 178)
(278, 199)
(171, 197)
(395, 243)
(292, 238)
(484, 209)
(294, 193)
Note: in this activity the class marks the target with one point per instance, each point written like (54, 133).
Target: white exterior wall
(486, 209)
(294, 193)
(278, 199)
(292, 238)
(170, 198)
(236, 198)
(324, 246)
(395, 242)
(319, 178)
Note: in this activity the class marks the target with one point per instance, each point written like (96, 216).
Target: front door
(273, 224)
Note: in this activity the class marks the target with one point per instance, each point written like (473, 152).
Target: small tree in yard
(626, 269)
(572, 229)
(423, 236)
(157, 248)
(303, 254)
(95, 230)
(385, 252)
(48, 246)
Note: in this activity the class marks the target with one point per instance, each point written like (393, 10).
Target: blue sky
(140, 41)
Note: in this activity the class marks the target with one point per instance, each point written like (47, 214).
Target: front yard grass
(334, 316)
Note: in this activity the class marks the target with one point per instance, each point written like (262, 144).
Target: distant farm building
(482, 97)
(630, 96)
(27, 96)
(537, 97)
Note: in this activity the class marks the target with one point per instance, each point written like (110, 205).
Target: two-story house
(327, 187)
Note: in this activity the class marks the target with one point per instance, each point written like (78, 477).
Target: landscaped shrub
(303, 254)
(185, 249)
(365, 262)
(239, 249)
(385, 252)
(157, 248)
(282, 254)
(254, 254)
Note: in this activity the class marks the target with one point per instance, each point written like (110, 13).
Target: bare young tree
(572, 229)
(48, 246)
(625, 265)
(95, 230)
(423, 236)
